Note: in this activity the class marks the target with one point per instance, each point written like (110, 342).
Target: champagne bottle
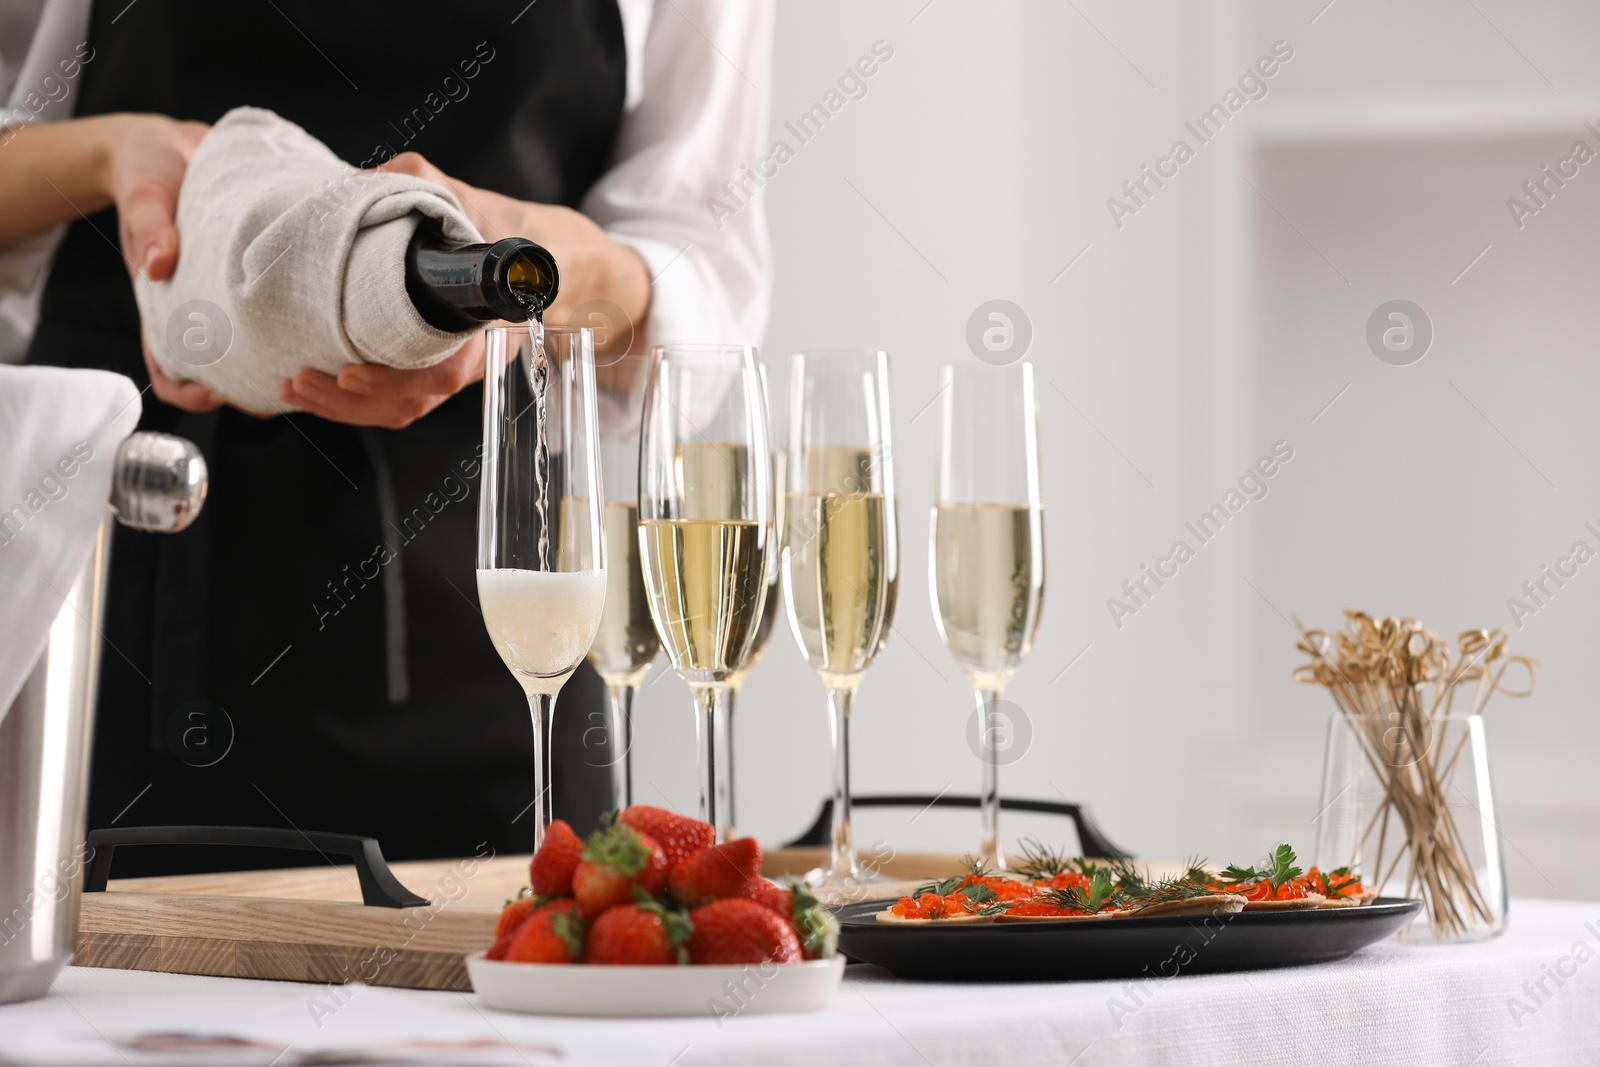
(457, 287)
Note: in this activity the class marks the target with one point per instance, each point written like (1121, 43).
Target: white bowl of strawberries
(648, 917)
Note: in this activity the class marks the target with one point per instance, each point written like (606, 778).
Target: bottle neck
(457, 288)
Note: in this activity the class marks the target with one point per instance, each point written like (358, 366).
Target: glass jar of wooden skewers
(1406, 797)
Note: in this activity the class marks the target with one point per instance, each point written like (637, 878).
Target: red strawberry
(642, 933)
(550, 873)
(678, 836)
(813, 924)
(774, 896)
(553, 934)
(614, 861)
(514, 913)
(727, 870)
(739, 930)
(512, 916)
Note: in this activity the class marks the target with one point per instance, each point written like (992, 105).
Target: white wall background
(1224, 316)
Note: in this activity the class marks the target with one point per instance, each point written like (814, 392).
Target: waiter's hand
(144, 170)
(145, 162)
(593, 266)
(371, 395)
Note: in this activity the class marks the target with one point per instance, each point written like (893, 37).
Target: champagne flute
(986, 547)
(541, 599)
(841, 546)
(705, 530)
(626, 641)
(769, 612)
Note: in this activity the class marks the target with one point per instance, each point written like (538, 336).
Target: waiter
(246, 680)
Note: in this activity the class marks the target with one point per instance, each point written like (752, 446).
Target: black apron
(267, 667)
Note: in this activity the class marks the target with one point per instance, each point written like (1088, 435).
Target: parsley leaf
(1283, 866)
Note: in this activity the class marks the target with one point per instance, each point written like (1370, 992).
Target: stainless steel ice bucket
(159, 485)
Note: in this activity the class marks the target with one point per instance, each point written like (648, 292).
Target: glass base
(845, 885)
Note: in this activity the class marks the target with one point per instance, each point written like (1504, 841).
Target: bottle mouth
(528, 273)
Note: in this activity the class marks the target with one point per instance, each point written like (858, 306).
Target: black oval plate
(1161, 946)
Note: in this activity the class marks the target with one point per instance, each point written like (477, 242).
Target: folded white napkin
(289, 258)
(59, 432)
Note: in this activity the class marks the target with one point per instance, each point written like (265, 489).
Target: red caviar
(1335, 884)
(1263, 890)
(1003, 888)
(1064, 880)
(960, 901)
(1041, 907)
(932, 906)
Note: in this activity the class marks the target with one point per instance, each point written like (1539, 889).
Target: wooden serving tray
(309, 925)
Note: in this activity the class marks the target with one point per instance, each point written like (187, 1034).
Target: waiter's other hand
(371, 395)
(593, 266)
(190, 396)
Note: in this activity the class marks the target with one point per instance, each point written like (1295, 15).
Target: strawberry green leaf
(618, 847)
(569, 927)
(675, 923)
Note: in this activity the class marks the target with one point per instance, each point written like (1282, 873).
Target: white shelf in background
(1421, 119)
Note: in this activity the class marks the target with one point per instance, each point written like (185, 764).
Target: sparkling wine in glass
(986, 550)
(705, 530)
(541, 572)
(625, 643)
(841, 546)
(769, 613)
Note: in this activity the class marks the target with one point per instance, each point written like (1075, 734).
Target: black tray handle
(1091, 839)
(379, 887)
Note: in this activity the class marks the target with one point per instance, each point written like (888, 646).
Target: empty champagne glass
(841, 546)
(986, 547)
(541, 580)
(705, 530)
(626, 641)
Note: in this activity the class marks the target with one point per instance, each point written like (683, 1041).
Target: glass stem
(711, 712)
(542, 707)
(989, 726)
(730, 823)
(842, 864)
(621, 731)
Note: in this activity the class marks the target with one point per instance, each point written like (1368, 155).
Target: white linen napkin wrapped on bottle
(289, 258)
(59, 432)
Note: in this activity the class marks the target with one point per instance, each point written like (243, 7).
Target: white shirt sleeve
(43, 91)
(683, 190)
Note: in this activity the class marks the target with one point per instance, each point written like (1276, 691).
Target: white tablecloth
(1394, 1003)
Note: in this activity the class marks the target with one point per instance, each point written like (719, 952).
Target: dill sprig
(1040, 861)
(979, 894)
(941, 889)
(1167, 890)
